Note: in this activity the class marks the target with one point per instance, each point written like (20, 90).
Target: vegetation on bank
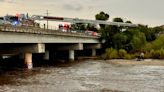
(127, 42)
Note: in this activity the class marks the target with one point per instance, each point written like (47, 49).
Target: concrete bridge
(28, 40)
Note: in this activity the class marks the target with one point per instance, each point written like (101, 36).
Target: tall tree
(102, 16)
(128, 21)
(118, 19)
(138, 39)
(150, 33)
(119, 40)
(92, 27)
(107, 35)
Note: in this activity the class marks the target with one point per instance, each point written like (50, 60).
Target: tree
(150, 33)
(128, 22)
(138, 40)
(119, 40)
(102, 16)
(78, 26)
(158, 30)
(107, 35)
(91, 27)
(118, 19)
(158, 43)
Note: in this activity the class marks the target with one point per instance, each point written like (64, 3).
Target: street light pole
(47, 13)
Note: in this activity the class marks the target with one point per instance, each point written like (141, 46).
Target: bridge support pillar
(93, 52)
(71, 55)
(28, 60)
(46, 55)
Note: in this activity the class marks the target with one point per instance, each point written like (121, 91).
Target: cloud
(8, 1)
(2, 0)
(73, 7)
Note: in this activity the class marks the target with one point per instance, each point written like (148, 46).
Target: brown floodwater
(84, 76)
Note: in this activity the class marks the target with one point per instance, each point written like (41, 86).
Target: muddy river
(84, 76)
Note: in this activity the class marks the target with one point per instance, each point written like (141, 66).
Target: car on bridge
(64, 27)
(93, 33)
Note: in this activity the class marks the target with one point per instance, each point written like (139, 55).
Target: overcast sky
(150, 12)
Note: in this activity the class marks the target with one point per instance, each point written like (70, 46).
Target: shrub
(161, 54)
(148, 55)
(129, 56)
(111, 53)
(155, 54)
(122, 53)
(157, 44)
(151, 53)
(114, 54)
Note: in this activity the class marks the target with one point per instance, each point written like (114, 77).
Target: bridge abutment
(93, 52)
(46, 55)
(71, 55)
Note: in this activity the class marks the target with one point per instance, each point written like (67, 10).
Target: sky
(148, 12)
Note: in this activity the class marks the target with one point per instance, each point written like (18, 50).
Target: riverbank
(147, 62)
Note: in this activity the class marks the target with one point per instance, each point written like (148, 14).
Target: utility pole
(47, 13)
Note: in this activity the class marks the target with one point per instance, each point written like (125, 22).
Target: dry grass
(135, 62)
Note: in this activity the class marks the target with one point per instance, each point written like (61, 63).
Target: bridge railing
(37, 30)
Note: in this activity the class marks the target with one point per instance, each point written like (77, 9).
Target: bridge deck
(23, 34)
(35, 30)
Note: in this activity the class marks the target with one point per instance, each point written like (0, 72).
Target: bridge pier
(93, 47)
(28, 60)
(47, 55)
(71, 55)
(93, 52)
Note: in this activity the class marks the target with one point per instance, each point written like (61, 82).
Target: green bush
(151, 53)
(157, 44)
(111, 53)
(155, 54)
(162, 54)
(129, 56)
(114, 54)
(122, 53)
(148, 54)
